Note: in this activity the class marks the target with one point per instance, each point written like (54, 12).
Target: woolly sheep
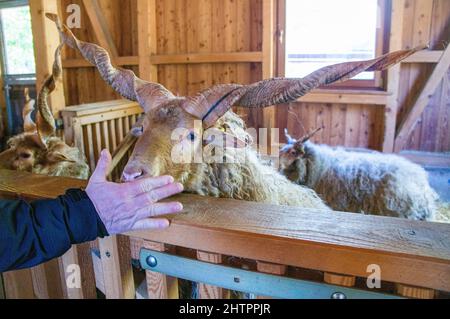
(372, 183)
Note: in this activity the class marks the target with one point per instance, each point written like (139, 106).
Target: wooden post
(18, 284)
(268, 64)
(415, 292)
(46, 280)
(117, 270)
(273, 269)
(160, 286)
(46, 40)
(208, 291)
(147, 42)
(393, 85)
(2, 288)
(339, 280)
(79, 255)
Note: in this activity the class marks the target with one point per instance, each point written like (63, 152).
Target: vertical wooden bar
(46, 40)
(160, 286)
(339, 280)
(393, 85)
(273, 269)
(208, 291)
(117, 270)
(268, 64)
(18, 284)
(2, 288)
(415, 292)
(147, 42)
(47, 280)
(80, 255)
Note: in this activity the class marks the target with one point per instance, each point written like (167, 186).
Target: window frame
(382, 46)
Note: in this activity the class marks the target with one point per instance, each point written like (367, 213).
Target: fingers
(103, 164)
(146, 185)
(151, 224)
(159, 209)
(156, 195)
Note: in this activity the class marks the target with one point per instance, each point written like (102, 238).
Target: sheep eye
(191, 136)
(24, 155)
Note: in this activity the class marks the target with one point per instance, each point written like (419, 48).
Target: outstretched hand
(131, 206)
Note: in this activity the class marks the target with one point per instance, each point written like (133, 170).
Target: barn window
(17, 41)
(325, 32)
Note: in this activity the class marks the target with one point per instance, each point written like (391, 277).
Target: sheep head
(168, 115)
(295, 149)
(37, 150)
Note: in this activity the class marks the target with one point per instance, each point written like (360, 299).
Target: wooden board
(411, 253)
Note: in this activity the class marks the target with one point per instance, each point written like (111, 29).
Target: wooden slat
(272, 269)
(208, 291)
(360, 97)
(18, 284)
(116, 264)
(47, 280)
(339, 280)
(46, 40)
(160, 286)
(425, 57)
(415, 292)
(82, 63)
(422, 101)
(100, 27)
(409, 252)
(393, 86)
(196, 58)
(147, 41)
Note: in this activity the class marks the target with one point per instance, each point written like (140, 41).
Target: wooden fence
(225, 244)
(313, 253)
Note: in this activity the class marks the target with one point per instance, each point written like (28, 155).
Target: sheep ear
(289, 138)
(56, 156)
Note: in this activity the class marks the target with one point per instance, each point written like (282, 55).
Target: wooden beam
(207, 291)
(409, 252)
(268, 63)
(425, 57)
(147, 41)
(193, 58)
(18, 285)
(190, 58)
(393, 85)
(347, 97)
(100, 27)
(427, 159)
(413, 116)
(82, 63)
(46, 40)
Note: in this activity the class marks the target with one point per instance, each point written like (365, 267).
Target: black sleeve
(31, 234)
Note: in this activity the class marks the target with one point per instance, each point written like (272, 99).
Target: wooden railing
(290, 242)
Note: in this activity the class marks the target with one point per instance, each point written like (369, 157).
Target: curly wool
(75, 165)
(371, 183)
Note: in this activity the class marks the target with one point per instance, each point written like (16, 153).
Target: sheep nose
(129, 176)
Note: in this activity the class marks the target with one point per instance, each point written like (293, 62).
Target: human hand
(131, 206)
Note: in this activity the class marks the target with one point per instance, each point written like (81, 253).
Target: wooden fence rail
(410, 254)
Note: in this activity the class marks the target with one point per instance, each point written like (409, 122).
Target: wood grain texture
(160, 286)
(339, 280)
(411, 253)
(18, 284)
(208, 291)
(415, 292)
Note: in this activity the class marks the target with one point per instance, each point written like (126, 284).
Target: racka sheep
(38, 150)
(372, 183)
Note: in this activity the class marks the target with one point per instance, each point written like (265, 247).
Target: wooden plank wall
(218, 26)
(426, 22)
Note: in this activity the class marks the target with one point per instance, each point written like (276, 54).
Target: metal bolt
(152, 261)
(338, 295)
(237, 280)
(412, 232)
(108, 254)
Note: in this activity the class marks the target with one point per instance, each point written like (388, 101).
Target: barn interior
(231, 248)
